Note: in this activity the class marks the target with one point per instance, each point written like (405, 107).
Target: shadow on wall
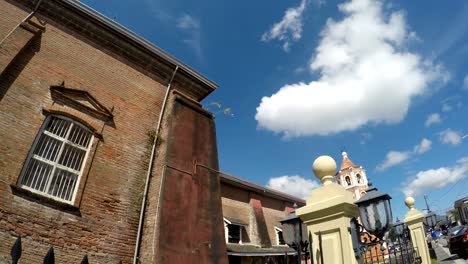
(18, 63)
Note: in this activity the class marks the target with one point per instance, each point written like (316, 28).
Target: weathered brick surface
(104, 225)
(273, 212)
(261, 212)
(235, 202)
(190, 224)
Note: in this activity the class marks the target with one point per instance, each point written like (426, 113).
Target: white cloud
(365, 137)
(436, 178)
(450, 136)
(293, 185)
(465, 82)
(432, 119)
(396, 157)
(159, 10)
(393, 158)
(319, 3)
(446, 108)
(299, 70)
(188, 22)
(367, 75)
(451, 103)
(191, 27)
(289, 28)
(423, 147)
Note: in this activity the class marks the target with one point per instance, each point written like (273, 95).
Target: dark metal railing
(395, 247)
(49, 258)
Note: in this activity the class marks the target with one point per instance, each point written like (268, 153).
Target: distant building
(252, 215)
(352, 177)
(461, 206)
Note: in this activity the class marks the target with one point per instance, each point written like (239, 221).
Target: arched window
(359, 178)
(57, 158)
(348, 180)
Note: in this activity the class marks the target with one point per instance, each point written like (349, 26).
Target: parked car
(458, 244)
(453, 232)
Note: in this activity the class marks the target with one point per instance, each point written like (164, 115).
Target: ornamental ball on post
(409, 201)
(324, 168)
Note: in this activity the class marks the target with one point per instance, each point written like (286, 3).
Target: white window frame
(56, 164)
(226, 230)
(277, 230)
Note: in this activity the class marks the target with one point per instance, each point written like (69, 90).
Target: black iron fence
(49, 258)
(396, 247)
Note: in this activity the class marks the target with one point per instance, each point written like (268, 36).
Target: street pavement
(443, 253)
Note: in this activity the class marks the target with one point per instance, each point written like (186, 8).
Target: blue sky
(385, 80)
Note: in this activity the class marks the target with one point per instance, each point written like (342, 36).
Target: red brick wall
(261, 212)
(191, 224)
(235, 202)
(106, 224)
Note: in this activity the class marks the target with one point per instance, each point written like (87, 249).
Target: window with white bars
(57, 159)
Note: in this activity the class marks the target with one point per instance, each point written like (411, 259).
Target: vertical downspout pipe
(150, 167)
(22, 21)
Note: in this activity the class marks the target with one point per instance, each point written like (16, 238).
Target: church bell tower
(352, 177)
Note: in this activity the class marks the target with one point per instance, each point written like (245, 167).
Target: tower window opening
(348, 180)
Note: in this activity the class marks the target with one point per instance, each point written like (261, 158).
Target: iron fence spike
(85, 259)
(16, 251)
(50, 256)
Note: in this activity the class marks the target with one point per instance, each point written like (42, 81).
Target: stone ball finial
(409, 201)
(324, 168)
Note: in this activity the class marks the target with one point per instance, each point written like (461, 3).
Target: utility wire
(459, 180)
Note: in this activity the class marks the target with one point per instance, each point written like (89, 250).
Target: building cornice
(123, 42)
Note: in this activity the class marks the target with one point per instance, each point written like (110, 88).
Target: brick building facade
(252, 215)
(92, 116)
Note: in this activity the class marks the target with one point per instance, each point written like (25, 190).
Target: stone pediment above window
(80, 100)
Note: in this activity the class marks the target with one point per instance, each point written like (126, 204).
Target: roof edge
(227, 178)
(138, 40)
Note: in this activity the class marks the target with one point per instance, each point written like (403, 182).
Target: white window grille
(57, 159)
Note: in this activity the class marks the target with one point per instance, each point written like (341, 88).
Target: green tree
(217, 108)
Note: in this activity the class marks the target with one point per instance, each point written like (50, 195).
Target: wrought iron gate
(396, 247)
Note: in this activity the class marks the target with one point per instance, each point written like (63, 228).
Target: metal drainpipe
(22, 21)
(150, 166)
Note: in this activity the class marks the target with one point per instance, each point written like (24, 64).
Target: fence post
(328, 212)
(414, 220)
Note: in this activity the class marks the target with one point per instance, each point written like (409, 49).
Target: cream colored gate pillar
(414, 220)
(329, 210)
